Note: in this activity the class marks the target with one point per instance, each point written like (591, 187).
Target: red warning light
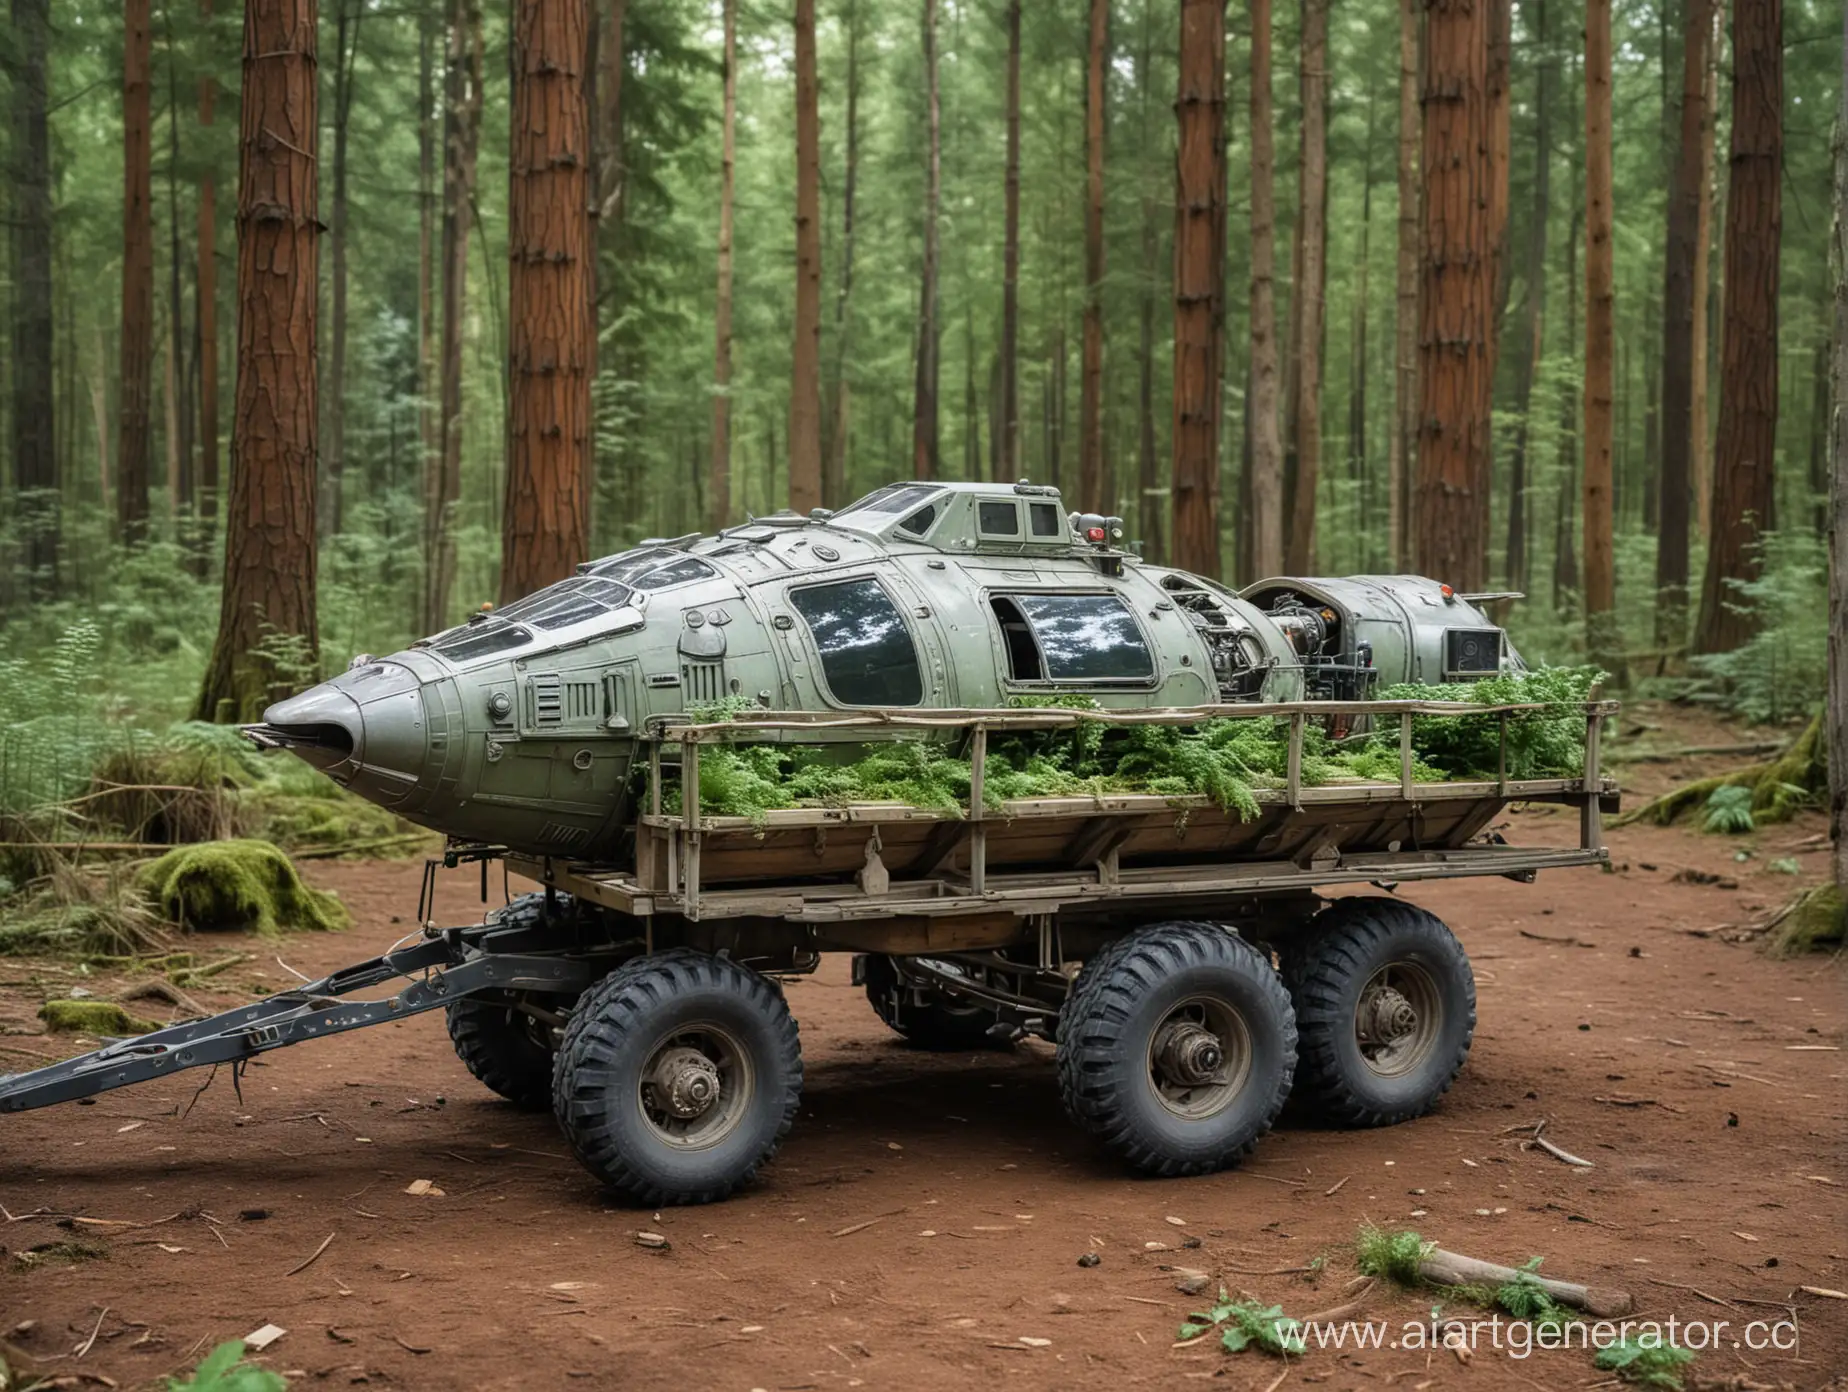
(1095, 533)
(1446, 592)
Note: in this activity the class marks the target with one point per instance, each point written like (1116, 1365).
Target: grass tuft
(1392, 1254)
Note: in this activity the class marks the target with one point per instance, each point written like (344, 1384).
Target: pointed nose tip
(322, 725)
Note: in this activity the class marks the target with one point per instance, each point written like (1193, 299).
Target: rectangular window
(998, 519)
(867, 654)
(1086, 638)
(1046, 520)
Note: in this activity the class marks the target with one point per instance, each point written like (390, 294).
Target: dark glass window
(481, 640)
(630, 564)
(895, 498)
(1089, 638)
(1046, 520)
(920, 521)
(572, 601)
(677, 572)
(866, 651)
(998, 519)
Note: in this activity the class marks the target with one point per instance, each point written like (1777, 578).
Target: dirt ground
(922, 1226)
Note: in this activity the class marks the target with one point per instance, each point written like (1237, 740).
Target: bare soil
(923, 1224)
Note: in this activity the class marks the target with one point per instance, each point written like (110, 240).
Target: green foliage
(1543, 743)
(1244, 1324)
(1729, 810)
(1815, 921)
(1393, 1254)
(224, 1370)
(236, 885)
(1782, 669)
(1646, 1362)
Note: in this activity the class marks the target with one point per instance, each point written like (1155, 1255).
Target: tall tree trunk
(1676, 420)
(1533, 312)
(1565, 550)
(1743, 482)
(1838, 493)
(461, 140)
(1501, 149)
(1266, 557)
(1402, 451)
(179, 431)
(267, 636)
(607, 190)
(428, 413)
(1700, 466)
(1094, 486)
(1601, 630)
(1010, 258)
(205, 315)
(834, 480)
(1199, 282)
(805, 373)
(1358, 365)
(1307, 299)
(718, 487)
(35, 457)
(1148, 471)
(1456, 295)
(552, 344)
(135, 426)
(346, 54)
(926, 456)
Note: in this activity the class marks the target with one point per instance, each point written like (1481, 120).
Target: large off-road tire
(1385, 1010)
(507, 1049)
(941, 1024)
(504, 1047)
(679, 1075)
(1176, 1048)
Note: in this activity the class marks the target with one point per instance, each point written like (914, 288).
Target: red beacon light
(1448, 593)
(1095, 534)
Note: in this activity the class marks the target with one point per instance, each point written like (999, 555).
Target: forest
(329, 323)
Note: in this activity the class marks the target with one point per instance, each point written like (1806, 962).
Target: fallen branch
(1453, 1269)
(326, 1242)
(1558, 1154)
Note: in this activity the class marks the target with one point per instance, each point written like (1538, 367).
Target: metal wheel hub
(1188, 1054)
(1384, 1017)
(686, 1083)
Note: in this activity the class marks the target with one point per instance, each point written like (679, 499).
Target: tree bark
(1743, 481)
(1676, 420)
(346, 54)
(1199, 282)
(1094, 489)
(1455, 299)
(1700, 448)
(1838, 493)
(35, 457)
(1533, 310)
(551, 342)
(428, 411)
(1601, 631)
(1501, 54)
(135, 421)
(1010, 259)
(607, 191)
(1148, 471)
(805, 373)
(718, 487)
(834, 479)
(461, 140)
(206, 318)
(1307, 300)
(926, 455)
(1262, 406)
(1402, 451)
(1358, 360)
(267, 636)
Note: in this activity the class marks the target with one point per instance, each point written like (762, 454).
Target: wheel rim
(1199, 1057)
(696, 1086)
(1397, 1019)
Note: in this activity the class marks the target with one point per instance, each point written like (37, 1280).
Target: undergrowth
(1646, 1363)
(1246, 1324)
(1226, 760)
(224, 1370)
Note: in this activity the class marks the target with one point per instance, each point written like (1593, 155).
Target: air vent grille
(548, 704)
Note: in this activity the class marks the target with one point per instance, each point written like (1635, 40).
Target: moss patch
(66, 1253)
(104, 1018)
(1816, 921)
(1795, 779)
(230, 886)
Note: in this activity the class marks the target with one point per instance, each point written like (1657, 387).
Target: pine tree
(805, 379)
(134, 452)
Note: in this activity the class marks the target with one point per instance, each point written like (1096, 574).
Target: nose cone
(323, 725)
(367, 728)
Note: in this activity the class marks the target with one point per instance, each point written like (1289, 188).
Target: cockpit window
(569, 602)
(629, 564)
(895, 498)
(920, 521)
(676, 572)
(867, 653)
(1084, 638)
(483, 639)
